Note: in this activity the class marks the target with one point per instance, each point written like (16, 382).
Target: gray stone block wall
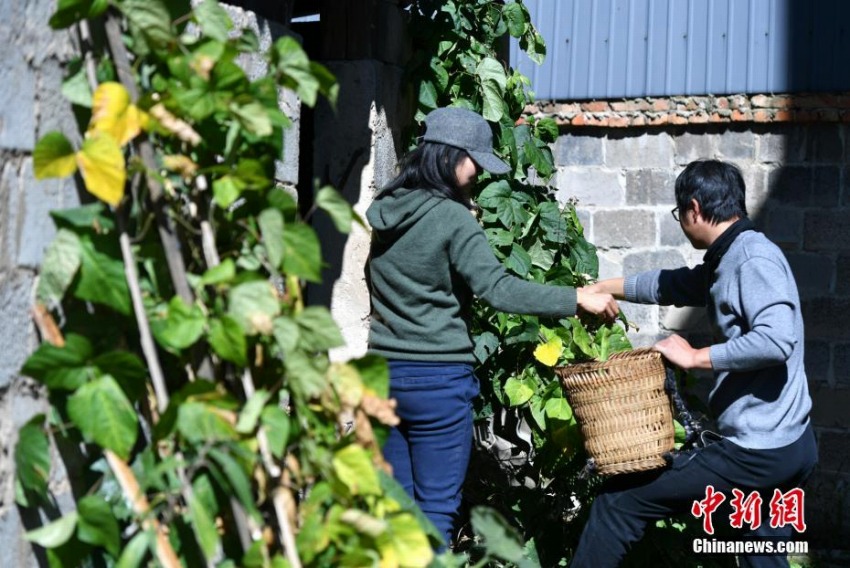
(798, 193)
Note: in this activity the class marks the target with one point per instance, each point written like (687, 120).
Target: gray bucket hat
(465, 129)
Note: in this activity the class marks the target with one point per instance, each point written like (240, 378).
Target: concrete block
(827, 230)
(54, 111)
(786, 145)
(610, 265)
(643, 261)
(736, 145)
(686, 319)
(827, 510)
(818, 361)
(824, 145)
(625, 228)
(829, 406)
(783, 225)
(826, 318)
(834, 452)
(286, 169)
(650, 187)
(36, 226)
(842, 275)
(17, 333)
(10, 213)
(670, 232)
(17, 551)
(694, 145)
(590, 186)
(649, 150)
(579, 150)
(755, 178)
(586, 220)
(845, 187)
(813, 272)
(801, 186)
(17, 100)
(841, 365)
(642, 316)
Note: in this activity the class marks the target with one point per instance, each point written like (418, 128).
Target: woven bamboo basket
(623, 410)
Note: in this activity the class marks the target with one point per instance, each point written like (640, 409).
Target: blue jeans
(429, 450)
(627, 503)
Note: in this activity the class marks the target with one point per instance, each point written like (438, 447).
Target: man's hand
(678, 351)
(601, 304)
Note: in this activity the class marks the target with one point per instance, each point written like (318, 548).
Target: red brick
(699, 118)
(808, 102)
(578, 120)
(619, 121)
(595, 106)
(762, 116)
(761, 101)
(783, 116)
(678, 119)
(722, 102)
(717, 117)
(569, 108)
(805, 116)
(659, 119)
(828, 115)
(782, 101)
(659, 105)
(640, 120)
(741, 115)
(592, 120)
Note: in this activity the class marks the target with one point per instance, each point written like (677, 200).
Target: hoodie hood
(396, 211)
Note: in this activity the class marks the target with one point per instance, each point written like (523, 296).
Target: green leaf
(226, 190)
(427, 95)
(519, 260)
(61, 367)
(134, 553)
(276, 424)
(317, 329)
(254, 118)
(53, 156)
(410, 542)
(76, 88)
(271, 226)
(374, 372)
(254, 305)
(552, 222)
(541, 256)
(291, 61)
(150, 19)
(214, 21)
(558, 409)
(518, 391)
(102, 278)
(533, 45)
(69, 12)
(104, 415)
(126, 368)
(493, 80)
(286, 333)
(55, 534)
(60, 265)
(486, 344)
(97, 524)
(500, 539)
(354, 468)
(514, 13)
(228, 340)
(204, 526)
(582, 340)
(303, 376)
(547, 129)
(93, 216)
(540, 158)
(250, 414)
(199, 423)
(32, 458)
(302, 252)
(181, 326)
(239, 482)
(341, 212)
(220, 274)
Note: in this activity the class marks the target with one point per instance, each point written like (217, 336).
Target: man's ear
(696, 209)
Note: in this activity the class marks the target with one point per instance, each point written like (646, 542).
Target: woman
(429, 257)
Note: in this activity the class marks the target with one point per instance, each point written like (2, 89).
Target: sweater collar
(722, 243)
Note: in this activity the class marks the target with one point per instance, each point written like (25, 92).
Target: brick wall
(620, 160)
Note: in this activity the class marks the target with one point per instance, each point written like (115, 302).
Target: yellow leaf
(549, 352)
(180, 128)
(180, 164)
(113, 113)
(53, 156)
(102, 164)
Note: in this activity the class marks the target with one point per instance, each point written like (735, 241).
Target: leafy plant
(214, 429)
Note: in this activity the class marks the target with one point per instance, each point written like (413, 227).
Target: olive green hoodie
(429, 256)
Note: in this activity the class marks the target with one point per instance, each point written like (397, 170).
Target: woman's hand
(601, 304)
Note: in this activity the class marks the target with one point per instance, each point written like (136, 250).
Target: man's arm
(678, 351)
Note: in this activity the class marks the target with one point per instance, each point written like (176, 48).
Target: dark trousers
(429, 451)
(627, 503)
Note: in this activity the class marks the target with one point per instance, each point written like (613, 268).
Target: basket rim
(619, 358)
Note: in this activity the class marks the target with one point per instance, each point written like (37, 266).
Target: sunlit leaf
(409, 541)
(518, 391)
(251, 412)
(228, 340)
(276, 424)
(56, 533)
(317, 329)
(302, 252)
(60, 265)
(104, 415)
(102, 278)
(63, 367)
(101, 163)
(340, 210)
(134, 553)
(254, 305)
(199, 422)
(271, 226)
(354, 468)
(558, 409)
(179, 326)
(549, 352)
(97, 524)
(205, 528)
(53, 156)
(114, 114)
(215, 22)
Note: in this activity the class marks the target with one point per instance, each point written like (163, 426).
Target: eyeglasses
(675, 213)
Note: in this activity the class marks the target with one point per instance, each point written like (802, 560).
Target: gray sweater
(760, 396)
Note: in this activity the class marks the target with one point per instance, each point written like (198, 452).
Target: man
(759, 397)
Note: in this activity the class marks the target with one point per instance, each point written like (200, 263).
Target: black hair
(431, 166)
(717, 186)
